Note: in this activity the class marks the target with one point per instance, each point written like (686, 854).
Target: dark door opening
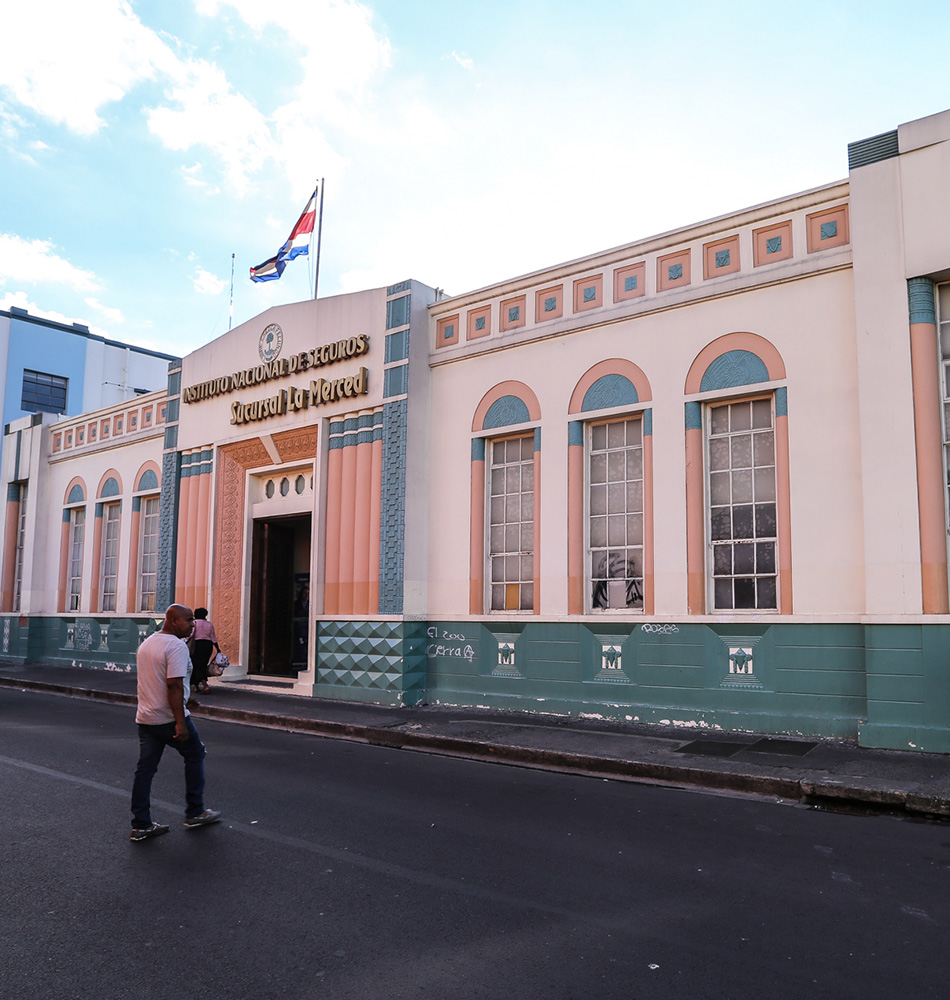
(280, 564)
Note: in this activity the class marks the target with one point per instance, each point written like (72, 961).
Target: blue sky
(143, 143)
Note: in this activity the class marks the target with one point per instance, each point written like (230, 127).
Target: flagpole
(316, 270)
(231, 304)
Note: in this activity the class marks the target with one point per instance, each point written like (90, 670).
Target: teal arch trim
(110, 488)
(610, 390)
(478, 449)
(506, 411)
(76, 495)
(575, 433)
(148, 480)
(732, 369)
(694, 416)
(781, 402)
(648, 421)
(920, 300)
(537, 439)
(136, 504)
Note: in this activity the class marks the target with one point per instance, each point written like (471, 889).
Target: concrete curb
(829, 793)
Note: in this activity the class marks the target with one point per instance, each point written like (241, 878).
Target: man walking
(163, 667)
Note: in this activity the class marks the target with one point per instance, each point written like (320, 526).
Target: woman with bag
(203, 641)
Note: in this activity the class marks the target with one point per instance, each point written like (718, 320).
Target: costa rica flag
(297, 243)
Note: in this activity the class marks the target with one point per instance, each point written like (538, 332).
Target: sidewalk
(818, 772)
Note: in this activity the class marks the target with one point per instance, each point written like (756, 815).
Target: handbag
(218, 665)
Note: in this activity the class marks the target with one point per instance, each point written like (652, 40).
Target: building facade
(699, 479)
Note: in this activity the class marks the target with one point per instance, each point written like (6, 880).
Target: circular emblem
(272, 339)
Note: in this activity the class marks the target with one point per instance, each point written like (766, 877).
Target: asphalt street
(350, 871)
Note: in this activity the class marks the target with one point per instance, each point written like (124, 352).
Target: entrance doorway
(280, 596)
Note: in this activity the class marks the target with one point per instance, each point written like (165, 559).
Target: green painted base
(917, 738)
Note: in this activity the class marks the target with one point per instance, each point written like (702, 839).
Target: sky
(144, 143)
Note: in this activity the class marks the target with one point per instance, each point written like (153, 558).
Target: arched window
(610, 488)
(738, 534)
(505, 480)
(72, 545)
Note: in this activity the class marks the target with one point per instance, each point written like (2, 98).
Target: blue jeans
(152, 743)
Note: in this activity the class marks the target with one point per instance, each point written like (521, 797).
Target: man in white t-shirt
(164, 668)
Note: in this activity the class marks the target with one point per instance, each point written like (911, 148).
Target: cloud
(110, 313)
(71, 59)
(207, 283)
(463, 60)
(35, 261)
(207, 111)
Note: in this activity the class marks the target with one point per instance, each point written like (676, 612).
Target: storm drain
(768, 744)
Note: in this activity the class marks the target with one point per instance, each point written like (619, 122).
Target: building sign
(322, 390)
(318, 357)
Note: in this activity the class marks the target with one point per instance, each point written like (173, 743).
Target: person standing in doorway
(203, 641)
(163, 667)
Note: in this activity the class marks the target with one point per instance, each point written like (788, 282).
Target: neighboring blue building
(49, 367)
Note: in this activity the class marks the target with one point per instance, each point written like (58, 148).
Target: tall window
(148, 559)
(43, 392)
(20, 548)
(615, 514)
(77, 530)
(742, 510)
(511, 524)
(110, 555)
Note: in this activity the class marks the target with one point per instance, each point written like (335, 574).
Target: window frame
(729, 399)
(590, 422)
(108, 522)
(71, 561)
(140, 591)
(529, 435)
(50, 386)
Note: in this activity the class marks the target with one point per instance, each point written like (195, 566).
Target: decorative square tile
(772, 243)
(479, 323)
(447, 331)
(512, 313)
(673, 270)
(589, 293)
(827, 229)
(721, 257)
(549, 303)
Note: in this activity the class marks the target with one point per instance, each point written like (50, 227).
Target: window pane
(719, 454)
(722, 560)
(719, 488)
(742, 486)
(740, 416)
(764, 448)
(765, 484)
(744, 558)
(762, 413)
(744, 591)
(741, 451)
